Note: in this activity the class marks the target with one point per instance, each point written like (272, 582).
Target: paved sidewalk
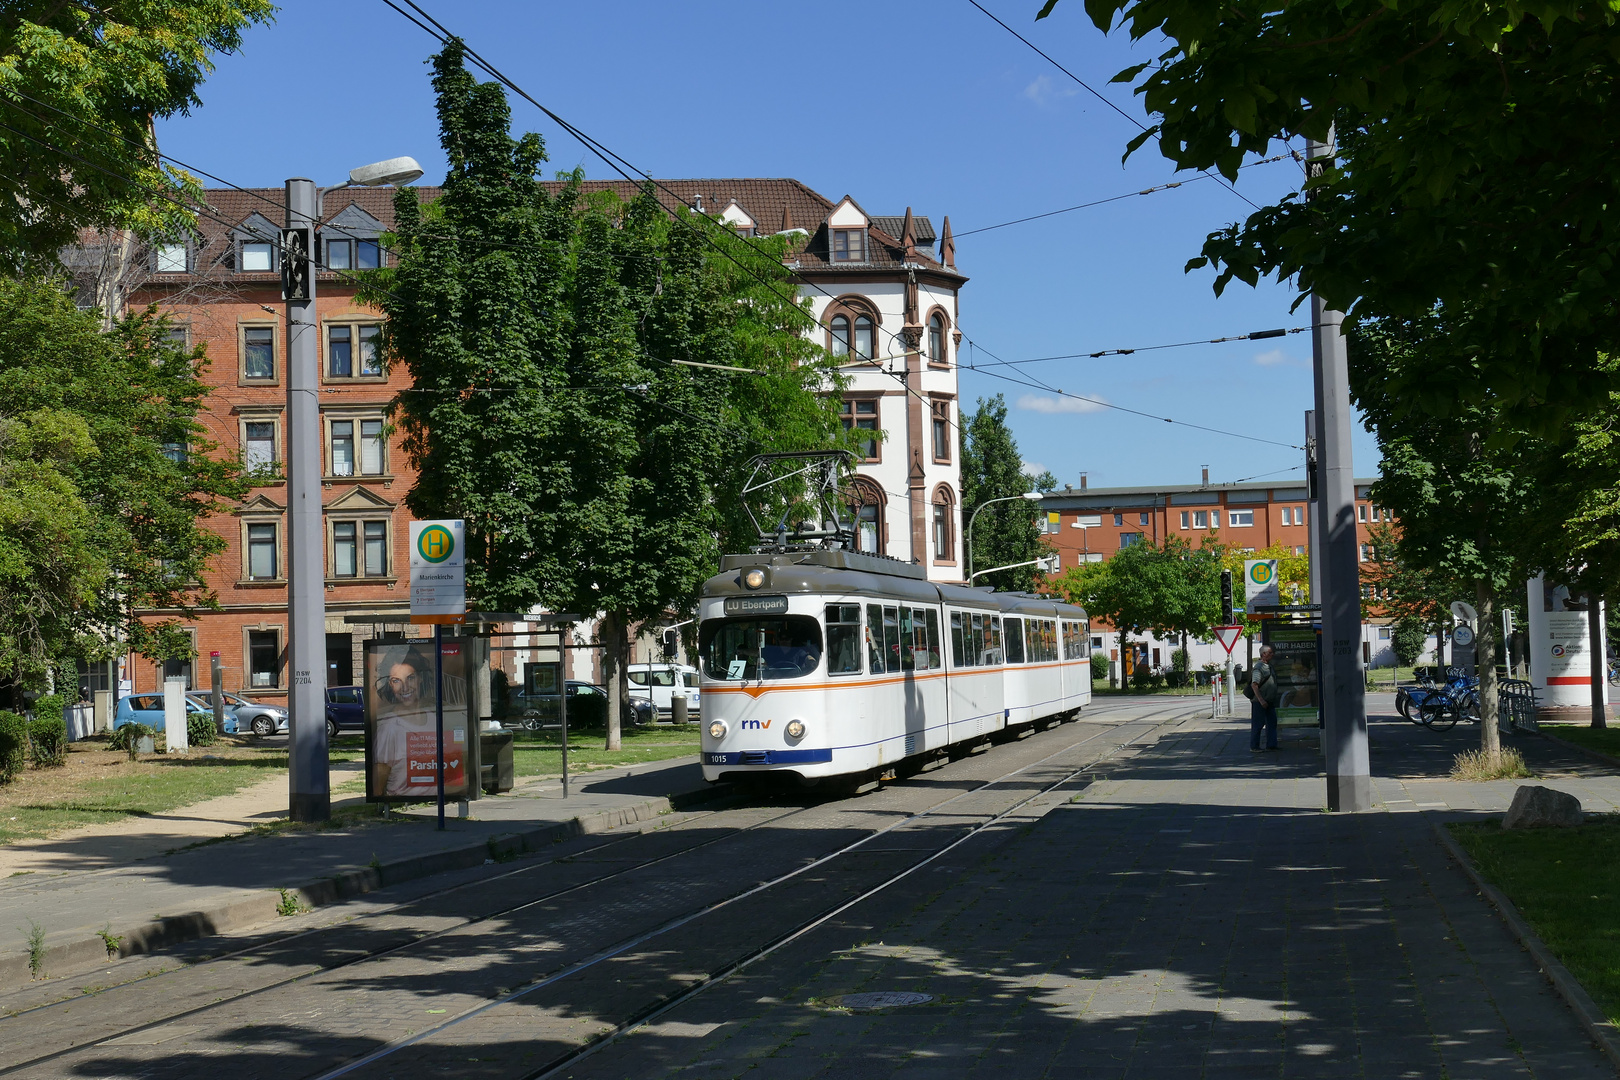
(165, 896)
(1193, 913)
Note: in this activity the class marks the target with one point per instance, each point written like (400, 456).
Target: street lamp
(308, 787)
(1032, 496)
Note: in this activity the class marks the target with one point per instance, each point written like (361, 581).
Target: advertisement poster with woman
(402, 759)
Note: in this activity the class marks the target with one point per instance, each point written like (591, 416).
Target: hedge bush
(200, 729)
(13, 745)
(47, 732)
(1099, 666)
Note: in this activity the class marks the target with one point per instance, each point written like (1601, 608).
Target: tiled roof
(764, 199)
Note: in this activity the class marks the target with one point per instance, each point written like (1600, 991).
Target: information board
(1296, 663)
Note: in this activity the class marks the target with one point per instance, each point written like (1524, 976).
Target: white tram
(833, 663)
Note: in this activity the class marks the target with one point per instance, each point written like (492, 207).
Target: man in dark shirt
(1263, 704)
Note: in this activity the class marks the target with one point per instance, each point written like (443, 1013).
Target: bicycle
(1443, 710)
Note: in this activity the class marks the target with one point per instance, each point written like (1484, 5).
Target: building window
(359, 548)
(1119, 519)
(1288, 515)
(342, 344)
(353, 255)
(171, 259)
(944, 525)
(1200, 519)
(376, 533)
(1185, 519)
(371, 447)
(345, 549)
(258, 256)
(840, 336)
(936, 339)
(259, 352)
(264, 659)
(1127, 539)
(343, 448)
(1299, 549)
(862, 414)
(178, 337)
(867, 502)
(941, 413)
(1142, 520)
(175, 452)
(259, 447)
(1240, 518)
(1361, 512)
(864, 349)
(849, 245)
(262, 552)
(1366, 552)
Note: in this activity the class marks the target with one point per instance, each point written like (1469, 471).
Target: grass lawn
(1604, 741)
(99, 785)
(539, 753)
(1565, 882)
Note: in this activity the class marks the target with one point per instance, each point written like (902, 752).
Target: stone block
(1535, 807)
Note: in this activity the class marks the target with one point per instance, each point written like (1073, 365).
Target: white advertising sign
(1260, 582)
(438, 571)
(1570, 654)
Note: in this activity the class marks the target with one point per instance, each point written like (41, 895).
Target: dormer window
(849, 245)
(353, 255)
(172, 259)
(258, 256)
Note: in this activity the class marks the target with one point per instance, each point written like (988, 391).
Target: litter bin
(495, 761)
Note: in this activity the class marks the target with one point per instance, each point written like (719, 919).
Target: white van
(657, 682)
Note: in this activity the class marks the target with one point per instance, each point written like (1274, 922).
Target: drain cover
(883, 999)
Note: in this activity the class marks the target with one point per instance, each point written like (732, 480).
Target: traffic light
(1226, 598)
(671, 643)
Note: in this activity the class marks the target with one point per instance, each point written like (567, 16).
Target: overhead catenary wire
(1094, 92)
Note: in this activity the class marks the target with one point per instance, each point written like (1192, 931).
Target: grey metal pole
(562, 708)
(217, 684)
(309, 787)
(1313, 511)
(438, 712)
(1344, 688)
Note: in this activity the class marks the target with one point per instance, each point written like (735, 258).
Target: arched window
(936, 339)
(866, 503)
(863, 338)
(944, 525)
(840, 336)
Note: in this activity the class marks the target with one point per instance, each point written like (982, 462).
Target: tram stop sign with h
(1260, 583)
(438, 571)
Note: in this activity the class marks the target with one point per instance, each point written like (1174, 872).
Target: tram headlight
(795, 729)
(754, 579)
(717, 729)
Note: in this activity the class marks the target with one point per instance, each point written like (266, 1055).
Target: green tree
(541, 330)
(1475, 172)
(1173, 590)
(109, 477)
(1406, 639)
(1007, 532)
(88, 81)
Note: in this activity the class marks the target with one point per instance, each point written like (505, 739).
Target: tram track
(402, 943)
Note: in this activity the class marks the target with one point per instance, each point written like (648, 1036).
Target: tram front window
(781, 647)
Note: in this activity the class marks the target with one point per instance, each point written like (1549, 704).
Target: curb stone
(81, 950)
(1598, 1026)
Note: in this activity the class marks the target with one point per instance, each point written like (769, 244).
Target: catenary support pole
(1344, 689)
(438, 711)
(1600, 662)
(309, 787)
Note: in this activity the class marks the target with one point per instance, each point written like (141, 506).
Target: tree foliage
(541, 330)
(106, 477)
(80, 86)
(1476, 171)
(992, 468)
(1173, 589)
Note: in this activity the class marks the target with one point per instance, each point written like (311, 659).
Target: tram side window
(992, 639)
(843, 639)
(891, 638)
(908, 651)
(874, 638)
(958, 654)
(1015, 640)
(975, 639)
(931, 621)
(1085, 639)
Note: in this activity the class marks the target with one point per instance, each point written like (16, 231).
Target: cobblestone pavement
(296, 1007)
(1196, 914)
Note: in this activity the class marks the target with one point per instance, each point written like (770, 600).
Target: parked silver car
(253, 716)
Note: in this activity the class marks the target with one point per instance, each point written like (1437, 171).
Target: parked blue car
(148, 709)
(345, 710)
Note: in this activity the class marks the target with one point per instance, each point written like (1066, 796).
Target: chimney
(1082, 481)
(787, 219)
(1206, 476)
(697, 202)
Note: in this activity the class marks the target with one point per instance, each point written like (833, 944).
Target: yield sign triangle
(1228, 636)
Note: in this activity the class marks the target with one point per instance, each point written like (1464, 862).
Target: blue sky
(928, 105)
